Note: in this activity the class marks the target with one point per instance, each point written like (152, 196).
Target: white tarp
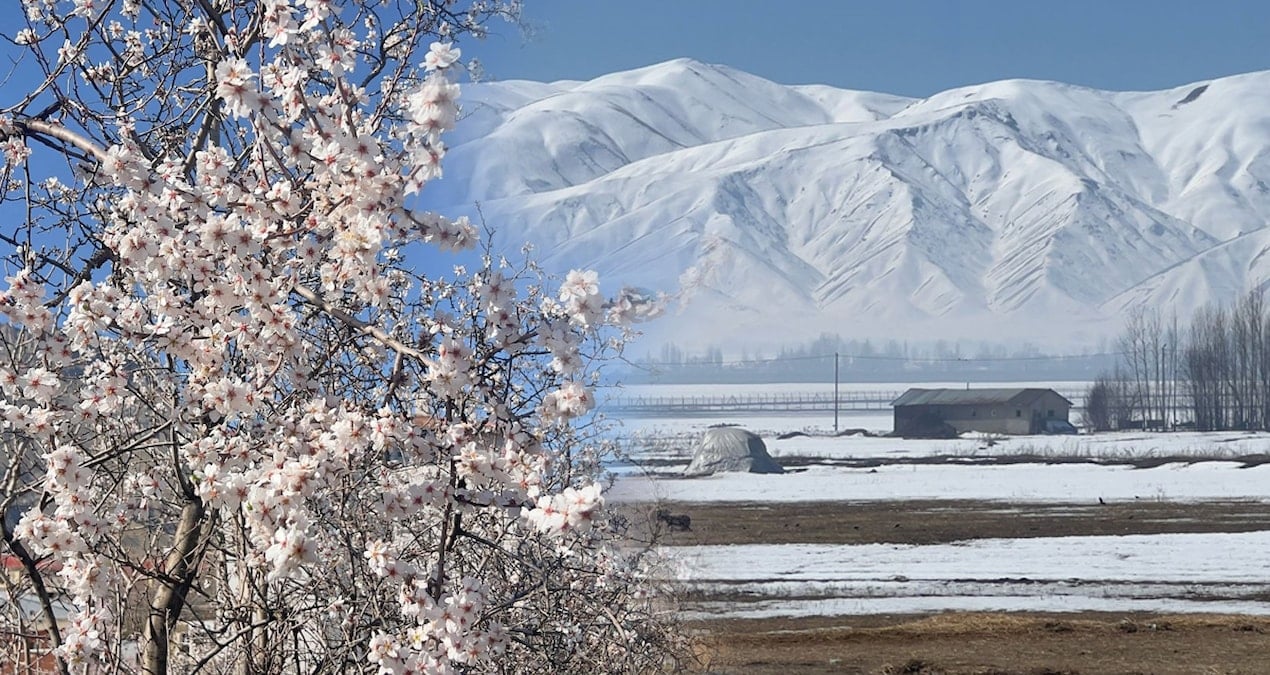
(726, 449)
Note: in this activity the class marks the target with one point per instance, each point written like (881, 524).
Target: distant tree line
(862, 360)
(1213, 374)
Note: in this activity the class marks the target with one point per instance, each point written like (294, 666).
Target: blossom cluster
(248, 376)
(445, 637)
(572, 510)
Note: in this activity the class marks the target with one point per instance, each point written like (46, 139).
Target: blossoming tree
(240, 433)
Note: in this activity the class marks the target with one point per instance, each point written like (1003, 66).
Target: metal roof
(1020, 396)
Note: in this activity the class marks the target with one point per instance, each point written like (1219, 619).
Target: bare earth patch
(943, 521)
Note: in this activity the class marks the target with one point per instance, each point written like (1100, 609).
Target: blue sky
(910, 47)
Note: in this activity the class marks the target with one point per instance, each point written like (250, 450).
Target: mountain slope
(1009, 210)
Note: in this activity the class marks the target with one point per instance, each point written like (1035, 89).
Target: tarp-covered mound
(731, 449)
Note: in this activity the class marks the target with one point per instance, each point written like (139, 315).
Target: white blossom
(441, 55)
(238, 397)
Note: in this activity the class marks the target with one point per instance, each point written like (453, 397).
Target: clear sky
(909, 47)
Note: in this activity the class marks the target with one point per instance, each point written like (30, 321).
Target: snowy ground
(1119, 445)
(1211, 572)
(1218, 572)
(1115, 446)
(1075, 483)
(1205, 572)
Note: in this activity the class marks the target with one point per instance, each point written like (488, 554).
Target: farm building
(924, 412)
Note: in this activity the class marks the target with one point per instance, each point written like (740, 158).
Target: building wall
(31, 655)
(995, 419)
(905, 418)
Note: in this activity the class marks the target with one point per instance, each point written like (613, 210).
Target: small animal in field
(675, 522)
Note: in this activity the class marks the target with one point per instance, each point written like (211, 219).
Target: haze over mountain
(1005, 211)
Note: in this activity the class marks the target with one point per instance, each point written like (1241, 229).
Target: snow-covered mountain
(1004, 211)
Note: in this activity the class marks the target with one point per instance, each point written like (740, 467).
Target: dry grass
(989, 644)
(982, 623)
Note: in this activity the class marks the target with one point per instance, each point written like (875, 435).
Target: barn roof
(1019, 396)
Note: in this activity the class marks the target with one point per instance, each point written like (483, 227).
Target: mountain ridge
(1010, 210)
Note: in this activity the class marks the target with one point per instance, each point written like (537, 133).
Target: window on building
(1018, 413)
(1051, 413)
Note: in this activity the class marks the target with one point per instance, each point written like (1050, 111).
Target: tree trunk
(179, 571)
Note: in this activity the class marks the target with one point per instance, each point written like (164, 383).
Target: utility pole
(835, 393)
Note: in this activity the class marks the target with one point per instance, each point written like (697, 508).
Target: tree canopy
(242, 433)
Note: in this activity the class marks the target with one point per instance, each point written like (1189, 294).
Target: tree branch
(62, 133)
(374, 331)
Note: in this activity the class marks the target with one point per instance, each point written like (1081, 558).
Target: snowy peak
(1013, 209)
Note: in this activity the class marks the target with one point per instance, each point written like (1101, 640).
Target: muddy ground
(971, 643)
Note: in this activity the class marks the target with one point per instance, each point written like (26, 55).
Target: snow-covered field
(816, 437)
(1075, 483)
(1117, 445)
(1201, 572)
(1110, 446)
(1210, 572)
